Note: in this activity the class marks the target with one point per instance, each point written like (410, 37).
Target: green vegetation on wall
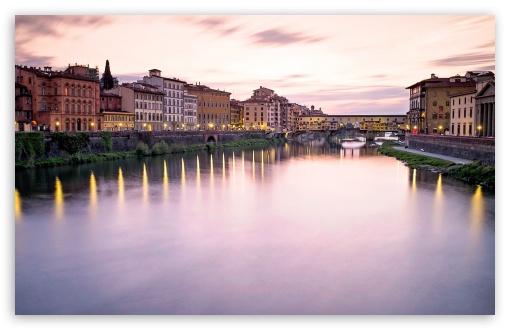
(106, 137)
(28, 146)
(72, 143)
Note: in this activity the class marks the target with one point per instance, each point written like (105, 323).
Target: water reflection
(17, 205)
(59, 199)
(438, 203)
(165, 181)
(316, 232)
(198, 173)
(183, 174)
(477, 211)
(145, 185)
(93, 193)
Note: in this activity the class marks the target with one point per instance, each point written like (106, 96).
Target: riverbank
(143, 150)
(473, 173)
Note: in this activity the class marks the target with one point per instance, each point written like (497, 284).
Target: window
(464, 112)
(434, 103)
(434, 115)
(447, 103)
(470, 113)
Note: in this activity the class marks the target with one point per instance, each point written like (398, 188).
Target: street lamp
(440, 129)
(120, 126)
(91, 126)
(479, 130)
(56, 125)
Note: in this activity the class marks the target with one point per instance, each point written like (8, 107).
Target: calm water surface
(296, 229)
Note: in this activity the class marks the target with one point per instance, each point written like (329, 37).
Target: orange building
(213, 107)
(61, 100)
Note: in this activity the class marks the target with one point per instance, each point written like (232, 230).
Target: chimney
(433, 76)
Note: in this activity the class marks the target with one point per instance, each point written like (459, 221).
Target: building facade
(485, 104)
(190, 112)
(236, 114)
(213, 107)
(23, 109)
(145, 102)
(367, 123)
(174, 117)
(114, 118)
(429, 102)
(61, 100)
(462, 115)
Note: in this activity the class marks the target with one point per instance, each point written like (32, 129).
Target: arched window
(44, 105)
(67, 124)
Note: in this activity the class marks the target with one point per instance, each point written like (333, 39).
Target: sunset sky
(341, 63)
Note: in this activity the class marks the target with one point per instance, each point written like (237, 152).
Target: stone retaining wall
(128, 140)
(482, 149)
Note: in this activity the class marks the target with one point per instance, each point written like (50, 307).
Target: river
(293, 229)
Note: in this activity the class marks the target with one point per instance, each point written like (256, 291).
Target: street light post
(479, 130)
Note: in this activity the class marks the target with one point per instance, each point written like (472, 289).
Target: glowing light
(59, 199)
(183, 173)
(93, 191)
(165, 181)
(121, 187)
(17, 204)
(198, 172)
(212, 173)
(413, 184)
(145, 184)
(477, 210)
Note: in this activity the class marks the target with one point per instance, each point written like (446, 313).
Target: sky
(343, 64)
(328, 68)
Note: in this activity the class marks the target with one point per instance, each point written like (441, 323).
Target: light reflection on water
(305, 229)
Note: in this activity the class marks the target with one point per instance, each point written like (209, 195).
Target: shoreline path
(424, 153)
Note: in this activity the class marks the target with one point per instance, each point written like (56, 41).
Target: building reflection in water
(165, 181)
(223, 169)
(93, 192)
(413, 182)
(262, 165)
(477, 211)
(253, 164)
(59, 199)
(438, 203)
(17, 205)
(198, 172)
(145, 185)
(183, 174)
(211, 175)
(121, 188)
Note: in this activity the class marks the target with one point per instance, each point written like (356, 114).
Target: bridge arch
(211, 138)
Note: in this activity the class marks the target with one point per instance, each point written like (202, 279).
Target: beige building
(118, 120)
(462, 118)
(145, 102)
(174, 116)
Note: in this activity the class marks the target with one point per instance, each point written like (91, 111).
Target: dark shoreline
(473, 173)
